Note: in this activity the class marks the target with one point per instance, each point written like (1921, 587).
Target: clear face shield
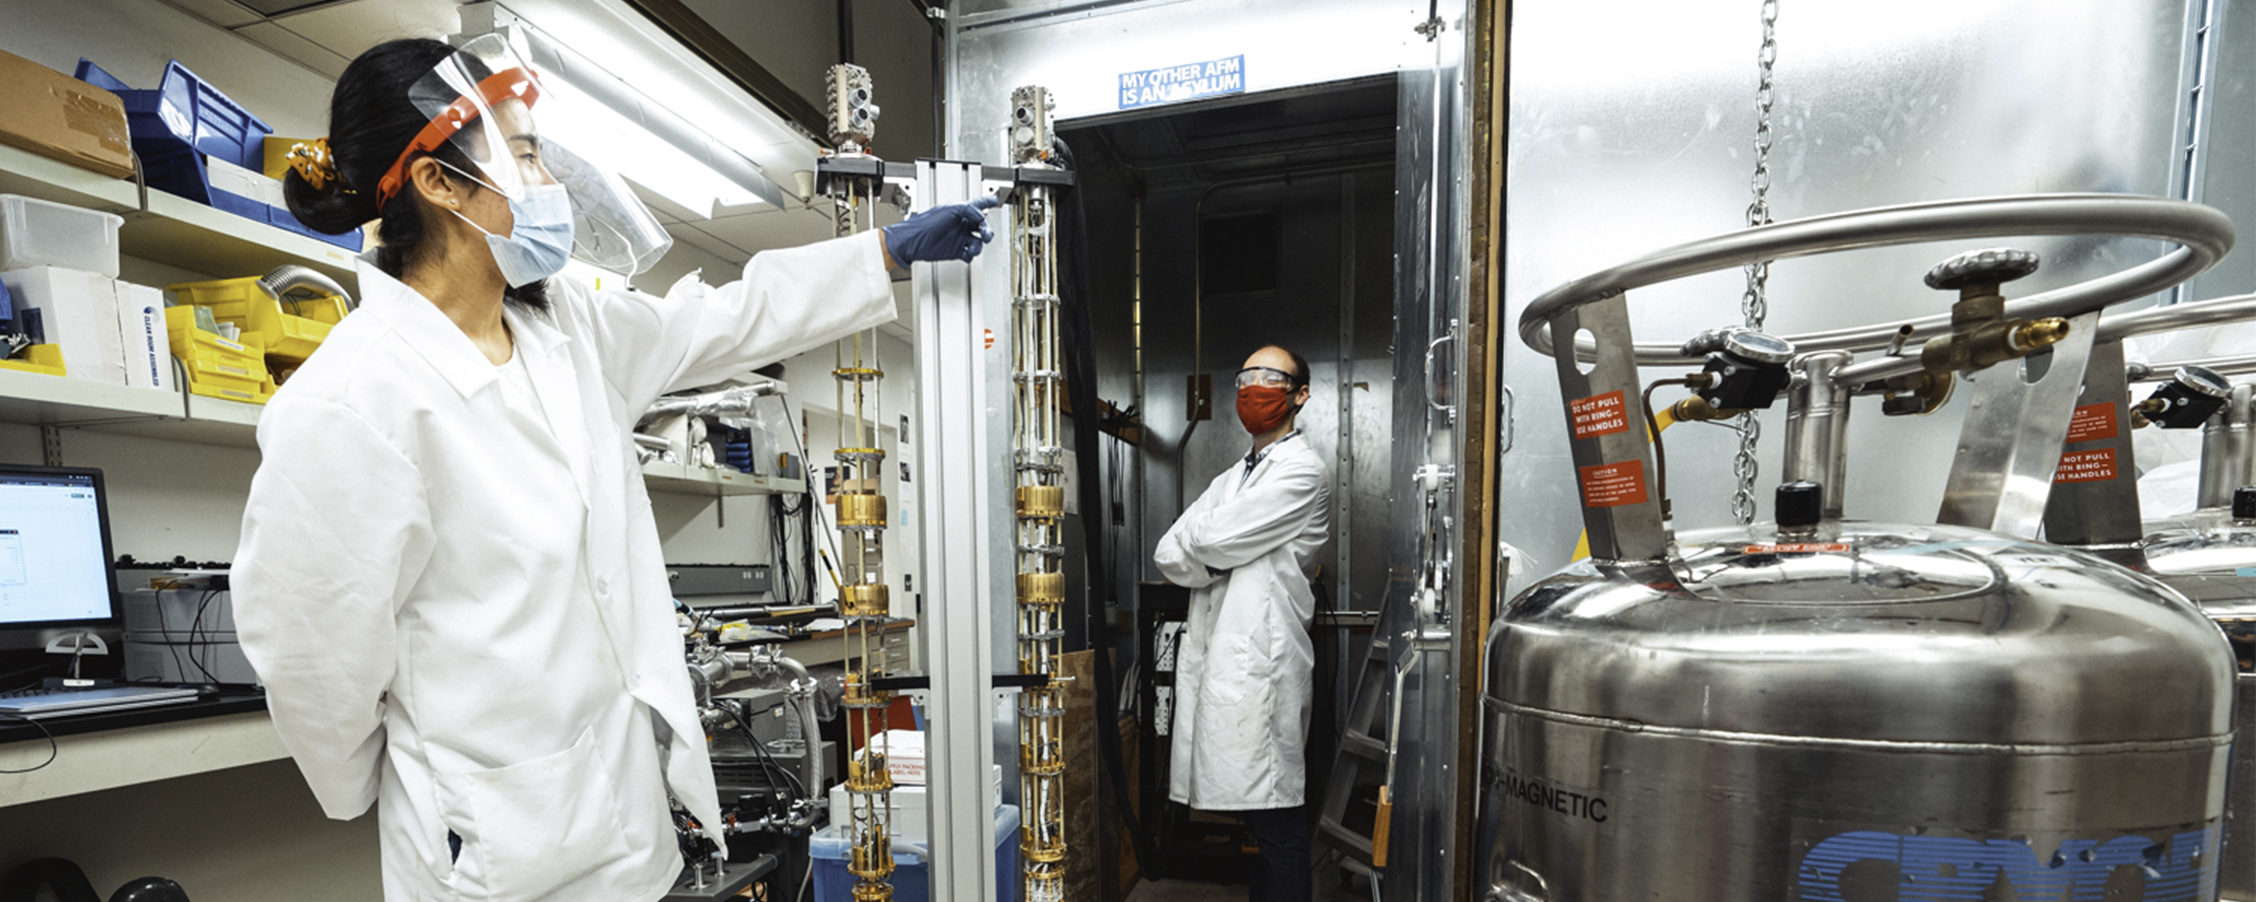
(481, 101)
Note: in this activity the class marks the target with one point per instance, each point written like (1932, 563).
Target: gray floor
(1185, 891)
(1194, 891)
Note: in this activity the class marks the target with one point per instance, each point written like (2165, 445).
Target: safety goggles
(480, 100)
(1264, 376)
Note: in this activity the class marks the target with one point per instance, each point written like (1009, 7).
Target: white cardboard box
(80, 313)
(904, 756)
(911, 817)
(143, 340)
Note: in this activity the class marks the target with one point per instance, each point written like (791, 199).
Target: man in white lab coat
(1245, 665)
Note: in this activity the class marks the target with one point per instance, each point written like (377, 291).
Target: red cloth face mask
(1262, 408)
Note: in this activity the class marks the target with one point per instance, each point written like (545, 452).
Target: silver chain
(1754, 306)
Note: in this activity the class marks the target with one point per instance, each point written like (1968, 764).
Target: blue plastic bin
(184, 120)
(185, 114)
(912, 876)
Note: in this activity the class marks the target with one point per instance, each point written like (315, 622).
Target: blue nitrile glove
(951, 232)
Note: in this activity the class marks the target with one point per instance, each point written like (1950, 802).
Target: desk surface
(228, 701)
(103, 751)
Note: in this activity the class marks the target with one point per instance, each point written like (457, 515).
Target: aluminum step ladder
(1360, 771)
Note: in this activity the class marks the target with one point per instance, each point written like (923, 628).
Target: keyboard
(34, 704)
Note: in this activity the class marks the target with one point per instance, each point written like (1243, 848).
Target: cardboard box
(904, 756)
(80, 311)
(54, 115)
(144, 342)
(911, 814)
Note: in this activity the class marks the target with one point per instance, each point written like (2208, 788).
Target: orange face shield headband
(508, 84)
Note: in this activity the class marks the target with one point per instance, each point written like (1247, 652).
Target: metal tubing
(2112, 328)
(1817, 427)
(2204, 236)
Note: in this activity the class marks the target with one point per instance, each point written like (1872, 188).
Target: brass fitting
(1980, 334)
(1043, 589)
(856, 509)
(868, 773)
(865, 600)
(872, 861)
(1041, 502)
(1034, 850)
(1696, 409)
(858, 693)
(1917, 394)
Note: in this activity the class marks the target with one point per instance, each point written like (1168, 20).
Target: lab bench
(94, 752)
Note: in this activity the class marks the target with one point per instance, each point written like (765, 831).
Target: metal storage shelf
(99, 406)
(687, 480)
(172, 230)
(40, 399)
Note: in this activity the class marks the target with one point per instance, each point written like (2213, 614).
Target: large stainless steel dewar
(1825, 709)
(1931, 708)
(2210, 557)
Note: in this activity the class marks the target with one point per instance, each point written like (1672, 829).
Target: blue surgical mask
(539, 241)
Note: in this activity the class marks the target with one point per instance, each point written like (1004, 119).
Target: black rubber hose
(1088, 411)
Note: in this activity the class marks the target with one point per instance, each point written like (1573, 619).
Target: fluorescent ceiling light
(600, 134)
(604, 119)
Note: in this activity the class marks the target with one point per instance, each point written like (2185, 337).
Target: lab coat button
(603, 587)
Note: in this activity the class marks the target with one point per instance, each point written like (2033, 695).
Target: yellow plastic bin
(191, 343)
(229, 299)
(248, 305)
(46, 360)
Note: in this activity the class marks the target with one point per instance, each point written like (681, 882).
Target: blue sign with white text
(1175, 84)
(1868, 864)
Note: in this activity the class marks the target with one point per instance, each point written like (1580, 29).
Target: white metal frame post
(959, 578)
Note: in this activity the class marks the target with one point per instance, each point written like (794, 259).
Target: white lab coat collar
(428, 330)
(442, 343)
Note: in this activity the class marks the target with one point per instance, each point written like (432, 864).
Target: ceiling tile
(289, 44)
(348, 29)
(223, 13)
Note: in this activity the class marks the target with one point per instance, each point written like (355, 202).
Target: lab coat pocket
(541, 825)
(1234, 669)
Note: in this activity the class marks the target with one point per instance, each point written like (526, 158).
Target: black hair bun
(333, 210)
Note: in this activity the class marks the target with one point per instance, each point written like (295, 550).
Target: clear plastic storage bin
(40, 233)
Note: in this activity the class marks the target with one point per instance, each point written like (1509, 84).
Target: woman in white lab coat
(449, 578)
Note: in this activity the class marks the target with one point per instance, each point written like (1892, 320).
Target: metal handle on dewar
(2203, 234)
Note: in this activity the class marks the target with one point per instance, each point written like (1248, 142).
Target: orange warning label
(2086, 466)
(2091, 423)
(1599, 415)
(1795, 548)
(1613, 485)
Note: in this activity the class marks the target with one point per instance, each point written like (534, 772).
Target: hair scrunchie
(313, 161)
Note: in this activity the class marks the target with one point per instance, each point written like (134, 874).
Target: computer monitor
(55, 562)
